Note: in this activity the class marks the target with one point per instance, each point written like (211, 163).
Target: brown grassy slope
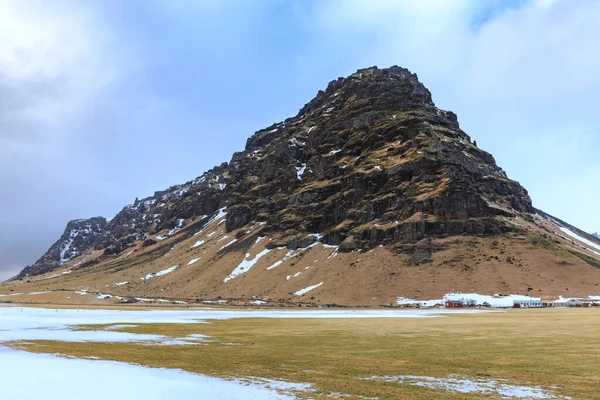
(535, 262)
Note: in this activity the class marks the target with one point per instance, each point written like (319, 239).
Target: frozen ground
(39, 376)
(24, 323)
(15, 320)
(491, 388)
(68, 378)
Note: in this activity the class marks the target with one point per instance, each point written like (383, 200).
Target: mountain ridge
(369, 163)
(395, 89)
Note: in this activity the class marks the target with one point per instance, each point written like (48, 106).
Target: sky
(105, 101)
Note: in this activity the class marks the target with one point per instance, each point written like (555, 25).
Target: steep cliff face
(371, 160)
(79, 236)
(369, 171)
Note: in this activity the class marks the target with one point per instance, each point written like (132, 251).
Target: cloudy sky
(103, 101)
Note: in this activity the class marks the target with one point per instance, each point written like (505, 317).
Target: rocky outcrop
(79, 236)
(369, 161)
(371, 157)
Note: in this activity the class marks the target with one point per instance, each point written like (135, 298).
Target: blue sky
(103, 101)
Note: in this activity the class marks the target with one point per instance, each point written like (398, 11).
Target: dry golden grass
(528, 347)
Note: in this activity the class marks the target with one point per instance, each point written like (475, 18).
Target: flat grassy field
(557, 349)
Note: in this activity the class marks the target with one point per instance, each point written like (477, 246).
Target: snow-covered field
(67, 378)
(40, 376)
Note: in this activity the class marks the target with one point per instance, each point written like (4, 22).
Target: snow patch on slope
(302, 292)
(579, 238)
(160, 273)
(246, 264)
(197, 244)
(300, 171)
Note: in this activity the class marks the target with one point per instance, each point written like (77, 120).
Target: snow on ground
(17, 318)
(294, 253)
(300, 171)
(276, 264)
(302, 292)
(333, 254)
(36, 324)
(295, 275)
(36, 293)
(198, 243)
(488, 387)
(120, 283)
(579, 238)
(246, 264)
(76, 379)
(228, 244)
(193, 261)
(591, 245)
(160, 273)
(177, 227)
(220, 214)
(24, 323)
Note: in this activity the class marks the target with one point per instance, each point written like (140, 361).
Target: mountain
(596, 235)
(79, 236)
(370, 192)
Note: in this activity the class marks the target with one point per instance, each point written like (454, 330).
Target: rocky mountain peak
(79, 236)
(596, 235)
(375, 89)
(369, 161)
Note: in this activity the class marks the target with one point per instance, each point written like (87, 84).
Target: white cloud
(54, 57)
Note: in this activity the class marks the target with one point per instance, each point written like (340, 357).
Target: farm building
(454, 304)
(567, 303)
(589, 302)
(527, 303)
(548, 300)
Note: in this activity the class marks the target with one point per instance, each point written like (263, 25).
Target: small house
(454, 304)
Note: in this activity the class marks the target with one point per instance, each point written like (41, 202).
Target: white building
(567, 303)
(527, 303)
